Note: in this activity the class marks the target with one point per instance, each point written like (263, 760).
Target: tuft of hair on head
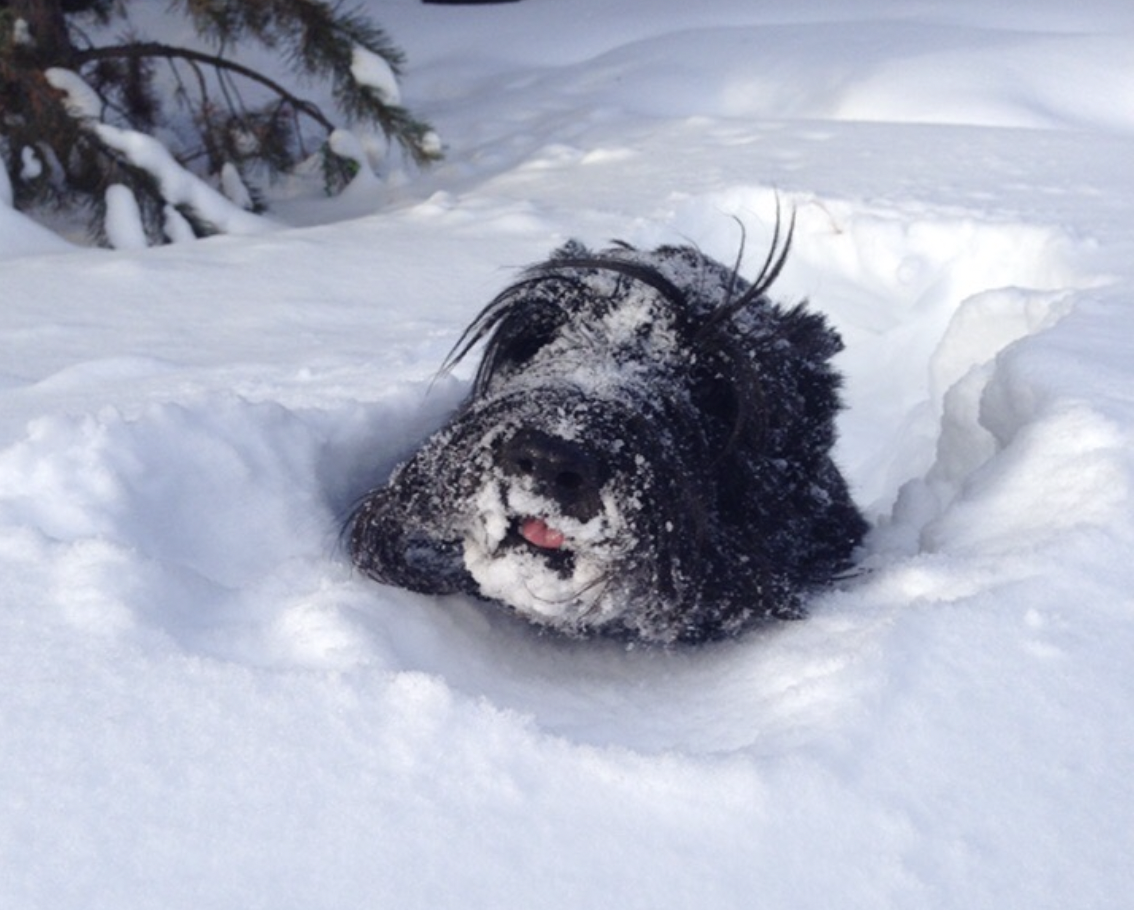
(778, 251)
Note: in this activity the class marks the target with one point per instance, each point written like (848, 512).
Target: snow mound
(217, 520)
(203, 706)
(181, 557)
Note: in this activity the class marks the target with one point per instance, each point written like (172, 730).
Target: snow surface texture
(203, 706)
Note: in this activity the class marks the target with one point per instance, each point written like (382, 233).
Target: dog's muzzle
(568, 473)
(546, 530)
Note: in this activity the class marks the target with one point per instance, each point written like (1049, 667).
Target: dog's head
(604, 473)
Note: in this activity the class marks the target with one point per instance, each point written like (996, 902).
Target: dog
(645, 453)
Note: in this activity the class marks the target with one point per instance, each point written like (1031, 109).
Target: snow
(31, 167)
(81, 100)
(373, 72)
(203, 706)
(123, 219)
(523, 579)
(348, 145)
(234, 188)
(20, 32)
(175, 227)
(178, 184)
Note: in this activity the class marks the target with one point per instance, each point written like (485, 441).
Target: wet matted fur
(645, 452)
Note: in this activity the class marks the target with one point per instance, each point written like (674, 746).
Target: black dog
(645, 452)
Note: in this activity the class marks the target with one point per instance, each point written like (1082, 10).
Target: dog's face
(582, 421)
(609, 470)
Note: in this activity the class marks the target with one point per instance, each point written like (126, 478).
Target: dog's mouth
(536, 532)
(536, 535)
(523, 551)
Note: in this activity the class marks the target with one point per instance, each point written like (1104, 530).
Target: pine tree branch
(316, 38)
(137, 50)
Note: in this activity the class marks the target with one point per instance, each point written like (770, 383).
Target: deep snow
(202, 705)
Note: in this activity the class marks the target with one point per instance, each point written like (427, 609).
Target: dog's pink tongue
(540, 534)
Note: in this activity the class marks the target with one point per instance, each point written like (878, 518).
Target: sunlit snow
(203, 706)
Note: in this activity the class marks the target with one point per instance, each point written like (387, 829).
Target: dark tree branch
(210, 121)
(165, 51)
(51, 42)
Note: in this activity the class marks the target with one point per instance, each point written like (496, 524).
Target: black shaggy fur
(645, 452)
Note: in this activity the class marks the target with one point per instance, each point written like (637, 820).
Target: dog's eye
(517, 341)
(522, 350)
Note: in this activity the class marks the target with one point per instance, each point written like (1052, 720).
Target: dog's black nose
(565, 471)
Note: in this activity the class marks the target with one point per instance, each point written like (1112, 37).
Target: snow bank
(204, 706)
(21, 236)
